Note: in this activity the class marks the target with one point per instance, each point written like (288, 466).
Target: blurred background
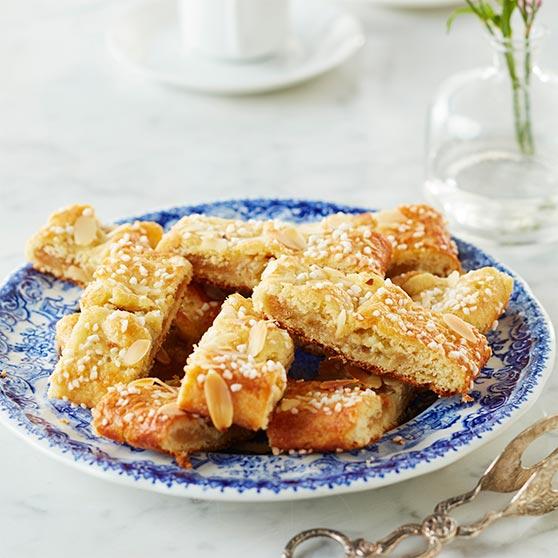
(79, 125)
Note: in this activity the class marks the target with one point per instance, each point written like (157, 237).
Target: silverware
(534, 496)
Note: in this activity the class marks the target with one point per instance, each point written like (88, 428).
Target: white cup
(235, 30)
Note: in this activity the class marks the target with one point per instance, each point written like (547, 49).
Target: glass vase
(492, 147)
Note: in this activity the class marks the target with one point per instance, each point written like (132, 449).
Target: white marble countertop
(75, 127)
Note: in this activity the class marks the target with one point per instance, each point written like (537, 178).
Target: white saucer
(147, 38)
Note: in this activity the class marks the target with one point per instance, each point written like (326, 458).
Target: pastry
(478, 297)
(237, 373)
(334, 415)
(105, 347)
(74, 242)
(420, 240)
(348, 243)
(126, 312)
(232, 254)
(64, 329)
(373, 324)
(228, 253)
(144, 414)
(196, 314)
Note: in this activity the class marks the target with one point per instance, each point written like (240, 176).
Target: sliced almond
(163, 357)
(373, 381)
(150, 382)
(453, 278)
(341, 321)
(369, 380)
(460, 327)
(219, 400)
(288, 404)
(390, 218)
(291, 238)
(338, 219)
(136, 352)
(85, 230)
(171, 410)
(256, 338)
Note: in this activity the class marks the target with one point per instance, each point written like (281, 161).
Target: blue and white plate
(31, 303)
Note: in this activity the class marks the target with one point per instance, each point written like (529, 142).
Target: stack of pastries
(183, 339)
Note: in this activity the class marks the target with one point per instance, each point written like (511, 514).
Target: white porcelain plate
(147, 39)
(31, 303)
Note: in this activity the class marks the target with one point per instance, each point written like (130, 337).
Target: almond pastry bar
(73, 242)
(373, 324)
(478, 297)
(237, 373)
(169, 361)
(334, 415)
(232, 254)
(194, 317)
(130, 278)
(228, 253)
(196, 314)
(348, 243)
(126, 312)
(420, 240)
(144, 414)
(105, 347)
(64, 329)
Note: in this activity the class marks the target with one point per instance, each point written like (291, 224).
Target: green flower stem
(497, 18)
(521, 102)
(510, 62)
(528, 132)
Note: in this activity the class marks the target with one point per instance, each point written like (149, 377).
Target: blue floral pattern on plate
(31, 303)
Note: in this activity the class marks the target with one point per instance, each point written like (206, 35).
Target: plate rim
(266, 494)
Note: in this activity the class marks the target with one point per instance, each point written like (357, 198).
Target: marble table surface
(75, 127)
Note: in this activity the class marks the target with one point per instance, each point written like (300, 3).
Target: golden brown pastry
(74, 242)
(144, 414)
(237, 373)
(373, 324)
(228, 253)
(232, 254)
(334, 415)
(64, 329)
(126, 312)
(346, 242)
(196, 314)
(478, 297)
(420, 240)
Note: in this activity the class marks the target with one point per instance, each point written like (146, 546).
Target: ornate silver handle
(534, 495)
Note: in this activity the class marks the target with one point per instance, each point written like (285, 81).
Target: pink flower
(529, 5)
